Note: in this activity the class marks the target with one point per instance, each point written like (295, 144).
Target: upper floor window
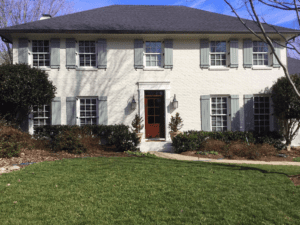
(87, 53)
(41, 115)
(261, 114)
(153, 54)
(88, 111)
(260, 53)
(219, 113)
(218, 53)
(40, 53)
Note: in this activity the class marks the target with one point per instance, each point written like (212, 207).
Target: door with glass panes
(155, 114)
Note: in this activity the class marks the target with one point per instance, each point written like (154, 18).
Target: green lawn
(148, 190)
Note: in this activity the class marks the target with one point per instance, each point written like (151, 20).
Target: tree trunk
(288, 145)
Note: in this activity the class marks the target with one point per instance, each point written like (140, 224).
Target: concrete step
(157, 146)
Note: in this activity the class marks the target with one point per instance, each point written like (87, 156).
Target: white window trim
(218, 67)
(77, 56)
(30, 55)
(157, 68)
(31, 119)
(228, 110)
(78, 108)
(261, 67)
(270, 116)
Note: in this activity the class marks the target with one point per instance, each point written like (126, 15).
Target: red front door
(154, 114)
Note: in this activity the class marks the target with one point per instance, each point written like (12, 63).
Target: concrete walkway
(169, 155)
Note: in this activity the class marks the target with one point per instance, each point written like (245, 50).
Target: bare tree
(266, 39)
(15, 12)
(284, 122)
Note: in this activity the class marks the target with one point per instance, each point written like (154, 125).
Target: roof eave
(6, 34)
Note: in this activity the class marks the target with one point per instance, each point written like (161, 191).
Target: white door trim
(155, 85)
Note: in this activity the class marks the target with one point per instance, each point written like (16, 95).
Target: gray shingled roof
(293, 66)
(140, 19)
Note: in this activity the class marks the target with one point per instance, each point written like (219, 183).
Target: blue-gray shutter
(248, 112)
(71, 110)
(168, 54)
(204, 53)
(23, 50)
(56, 111)
(138, 54)
(70, 53)
(102, 54)
(234, 60)
(277, 51)
(205, 113)
(102, 108)
(235, 118)
(248, 53)
(55, 53)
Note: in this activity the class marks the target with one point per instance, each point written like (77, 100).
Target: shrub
(69, 141)
(176, 123)
(9, 149)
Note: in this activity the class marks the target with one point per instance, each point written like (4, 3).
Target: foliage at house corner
(22, 87)
(286, 106)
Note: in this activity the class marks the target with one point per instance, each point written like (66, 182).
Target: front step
(157, 146)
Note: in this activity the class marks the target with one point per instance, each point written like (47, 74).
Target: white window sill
(153, 69)
(261, 68)
(218, 68)
(43, 68)
(91, 69)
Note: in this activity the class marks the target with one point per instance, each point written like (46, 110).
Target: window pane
(213, 62)
(82, 114)
(46, 43)
(157, 111)
(223, 62)
(81, 49)
(150, 119)
(150, 111)
(157, 119)
(86, 49)
(150, 102)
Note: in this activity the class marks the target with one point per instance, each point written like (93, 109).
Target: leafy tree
(286, 106)
(21, 87)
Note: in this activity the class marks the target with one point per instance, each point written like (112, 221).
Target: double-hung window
(153, 54)
(87, 53)
(261, 114)
(260, 53)
(218, 53)
(41, 115)
(88, 111)
(219, 114)
(41, 53)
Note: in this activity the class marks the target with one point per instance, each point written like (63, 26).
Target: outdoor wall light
(175, 102)
(133, 104)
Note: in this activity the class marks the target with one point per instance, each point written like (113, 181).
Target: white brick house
(100, 59)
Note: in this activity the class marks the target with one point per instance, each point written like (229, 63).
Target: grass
(148, 190)
(296, 159)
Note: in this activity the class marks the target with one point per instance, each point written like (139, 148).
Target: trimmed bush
(68, 141)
